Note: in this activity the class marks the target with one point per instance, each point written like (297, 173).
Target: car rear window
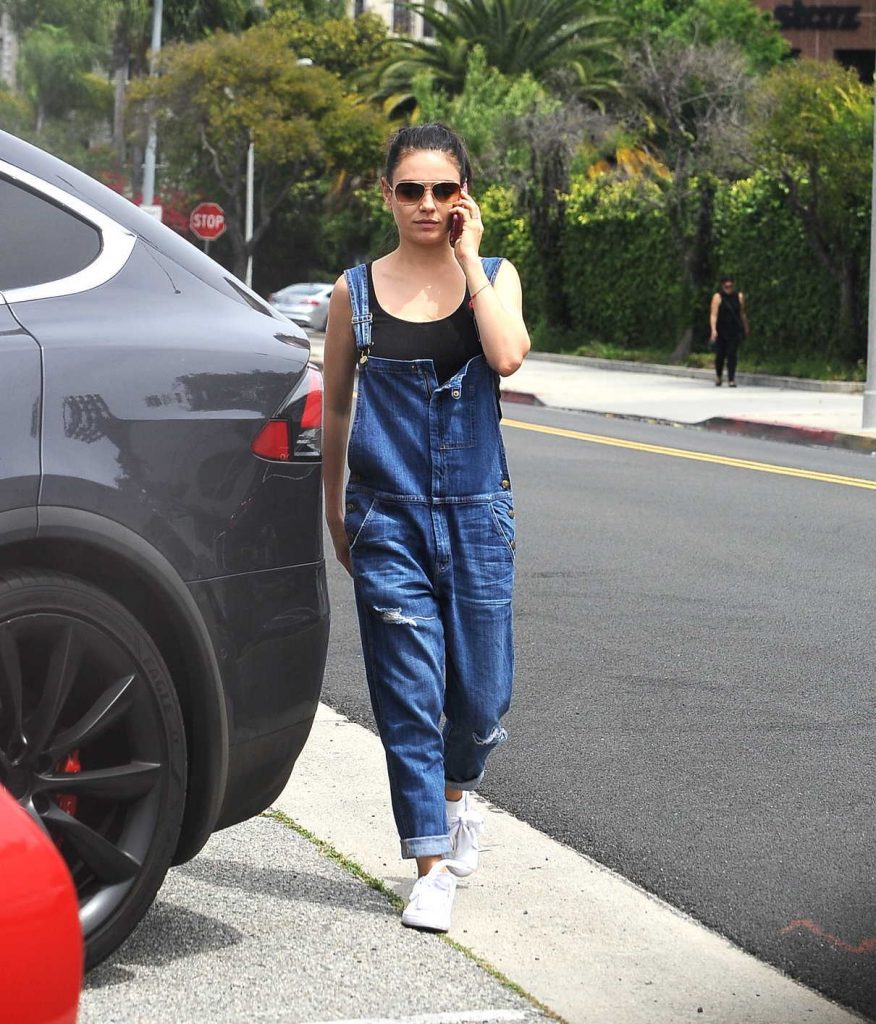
(39, 241)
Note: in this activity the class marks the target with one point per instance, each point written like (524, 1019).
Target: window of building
(428, 30)
(41, 241)
(402, 20)
(862, 61)
(358, 8)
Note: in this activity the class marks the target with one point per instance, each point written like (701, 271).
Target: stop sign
(207, 221)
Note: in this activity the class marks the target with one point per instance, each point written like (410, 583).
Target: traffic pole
(868, 415)
(250, 171)
(152, 141)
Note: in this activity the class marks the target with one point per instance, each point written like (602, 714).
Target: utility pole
(868, 420)
(152, 143)
(250, 174)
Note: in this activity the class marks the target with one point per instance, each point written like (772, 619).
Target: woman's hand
(341, 544)
(469, 242)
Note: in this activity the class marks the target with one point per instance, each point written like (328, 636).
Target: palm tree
(559, 42)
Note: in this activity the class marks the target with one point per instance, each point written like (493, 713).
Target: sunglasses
(410, 192)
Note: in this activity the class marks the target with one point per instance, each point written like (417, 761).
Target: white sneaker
(464, 825)
(431, 900)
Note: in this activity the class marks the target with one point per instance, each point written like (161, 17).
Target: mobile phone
(456, 222)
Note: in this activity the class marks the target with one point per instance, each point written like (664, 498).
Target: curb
(788, 432)
(762, 380)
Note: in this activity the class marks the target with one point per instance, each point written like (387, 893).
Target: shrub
(621, 276)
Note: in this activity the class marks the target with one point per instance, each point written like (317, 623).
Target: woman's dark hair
(427, 136)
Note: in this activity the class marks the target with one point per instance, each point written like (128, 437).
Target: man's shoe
(717, 382)
(464, 825)
(731, 383)
(431, 900)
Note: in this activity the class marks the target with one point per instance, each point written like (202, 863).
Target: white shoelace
(470, 823)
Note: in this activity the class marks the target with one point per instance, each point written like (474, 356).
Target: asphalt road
(695, 698)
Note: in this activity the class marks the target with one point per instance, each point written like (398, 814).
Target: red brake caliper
(70, 766)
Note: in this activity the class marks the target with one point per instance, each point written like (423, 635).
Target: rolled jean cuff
(425, 846)
(466, 787)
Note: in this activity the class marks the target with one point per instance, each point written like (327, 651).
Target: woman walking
(426, 526)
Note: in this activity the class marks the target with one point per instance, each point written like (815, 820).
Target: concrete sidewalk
(779, 408)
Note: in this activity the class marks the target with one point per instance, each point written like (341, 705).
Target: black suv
(163, 605)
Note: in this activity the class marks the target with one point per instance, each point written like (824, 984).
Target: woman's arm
(498, 310)
(339, 371)
(713, 316)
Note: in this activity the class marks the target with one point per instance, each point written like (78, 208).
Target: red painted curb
(790, 432)
(520, 397)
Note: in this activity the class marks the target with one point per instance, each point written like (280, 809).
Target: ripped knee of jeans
(394, 617)
(498, 734)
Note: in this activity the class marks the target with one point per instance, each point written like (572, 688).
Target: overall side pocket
(503, 514)
(359, 509)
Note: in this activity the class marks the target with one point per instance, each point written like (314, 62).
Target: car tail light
(308, 302)
(296, 431)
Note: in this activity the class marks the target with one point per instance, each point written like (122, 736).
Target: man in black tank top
(729, 323)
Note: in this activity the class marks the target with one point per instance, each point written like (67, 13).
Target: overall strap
(491, 266)
(357, 285)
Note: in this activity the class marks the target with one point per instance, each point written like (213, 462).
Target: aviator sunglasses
(410, 192)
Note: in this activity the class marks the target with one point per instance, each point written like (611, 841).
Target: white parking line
(583, 940)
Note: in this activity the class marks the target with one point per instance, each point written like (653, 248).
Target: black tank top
(449, 342)
(729, 321)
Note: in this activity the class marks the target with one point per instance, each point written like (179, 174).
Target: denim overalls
(430, 520)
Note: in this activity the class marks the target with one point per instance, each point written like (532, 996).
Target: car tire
(92, 743)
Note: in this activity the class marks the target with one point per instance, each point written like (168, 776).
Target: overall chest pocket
(457, 416)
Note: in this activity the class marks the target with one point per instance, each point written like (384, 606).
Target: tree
(545, 38)
(344, 46)
(216, 96)
(812, 131)
(55, 76)
(688, 105)
(484, 112)
(704, 22)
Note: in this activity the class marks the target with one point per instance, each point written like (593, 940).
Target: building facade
(399, 19)
(840, 31)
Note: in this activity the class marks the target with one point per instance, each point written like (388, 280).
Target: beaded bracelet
(478, 292)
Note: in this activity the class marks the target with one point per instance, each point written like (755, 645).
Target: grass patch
(806, 366)
(329, 851)
(375, 883)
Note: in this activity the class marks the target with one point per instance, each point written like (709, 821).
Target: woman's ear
(386, 188)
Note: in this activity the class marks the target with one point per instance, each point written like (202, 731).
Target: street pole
(250, 176)
(868, 418)
(250, 171)
(152, 142)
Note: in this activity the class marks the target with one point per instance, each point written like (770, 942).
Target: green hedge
(507, 233)
(623, 280)
(792, 300)
(621, 276)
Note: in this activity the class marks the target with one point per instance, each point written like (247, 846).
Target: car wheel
(92, 744)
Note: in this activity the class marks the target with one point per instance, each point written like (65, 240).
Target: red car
(39, 924)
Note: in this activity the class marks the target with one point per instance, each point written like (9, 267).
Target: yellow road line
(681, 453)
